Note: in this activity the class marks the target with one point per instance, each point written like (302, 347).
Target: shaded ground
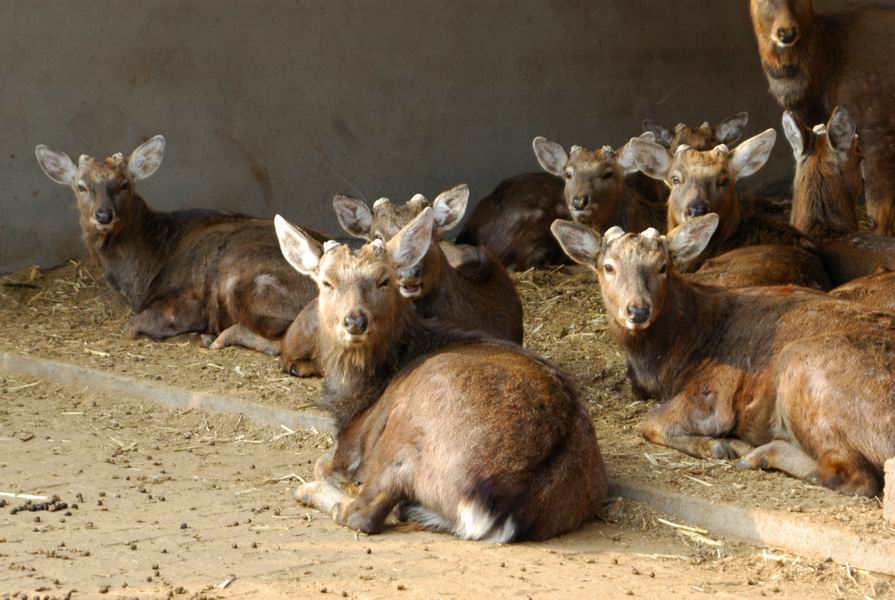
(175, 504)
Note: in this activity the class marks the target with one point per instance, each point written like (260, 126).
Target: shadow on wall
(277, 108)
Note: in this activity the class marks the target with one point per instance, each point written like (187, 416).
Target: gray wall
(274, 106)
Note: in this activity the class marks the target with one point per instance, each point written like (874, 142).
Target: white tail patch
(476, 523)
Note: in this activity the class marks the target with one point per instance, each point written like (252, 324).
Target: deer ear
(841, 130)
(687, 241)
(300, 250)
(144, 161)
(551, 156)
(795, 134)
(354, 216)
(57, 165)
(730, 130)
(662, 133)
(751, 155)
(579, 242)
(410, 245)
(450, 206)
(626, 155)
(651, 158)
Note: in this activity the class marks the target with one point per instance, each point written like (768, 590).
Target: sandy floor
(177, 504)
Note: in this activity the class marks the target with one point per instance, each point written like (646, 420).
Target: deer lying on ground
(826, 189)
(469, 435)
(601, 187)
(781, 377)
(876, 291)
(817, 61)
(461, 285)
(705, 137)
(188, 271)
(703, 182)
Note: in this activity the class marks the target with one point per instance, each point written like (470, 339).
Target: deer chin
(581, 216)
(348, 339)
(101, 228)
(410, 290)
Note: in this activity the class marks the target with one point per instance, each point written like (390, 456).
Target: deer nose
(103, 216)
(638, 314)
(697, 209)
(787, 35)
(356, 323)
(580, 202)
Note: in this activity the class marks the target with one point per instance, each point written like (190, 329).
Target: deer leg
(182, 313)
(695, 424)
(240, 335)
(322, 495)
(782, 456)
(880, 192)
(370, 509)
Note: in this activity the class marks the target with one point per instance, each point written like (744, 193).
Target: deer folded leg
(782, 456)
(322, 495)
(240, 335)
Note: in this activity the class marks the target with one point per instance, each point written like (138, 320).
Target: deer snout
(356, 323)
(581, 202)
(638, 314)
(787, 36)
(697, 209)
(103, 216)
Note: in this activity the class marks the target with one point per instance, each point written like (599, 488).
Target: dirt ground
(69, 314)
(165, 504)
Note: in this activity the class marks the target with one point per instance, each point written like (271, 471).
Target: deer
(404, 390)
(462, 285)
(815, 61)
(702, 182)
(705, 137)
(876, 290)
(827, 186)
(781, 378)
(603, 187)
(205, 272)
(599, 186)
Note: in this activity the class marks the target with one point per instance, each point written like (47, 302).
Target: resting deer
(188, 271)
(816, 61)
(601, 187)
(461, 285)
(703, 182)
(468, 435)
(826, 189)
(781, 377)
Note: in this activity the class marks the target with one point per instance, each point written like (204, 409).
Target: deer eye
(607, 175)
(675, 180)
(125, 185)
(383, 283)
(327, 285)
(609, 269)
(724, 182)
(568, 174)
(663, 269)
(82, 188)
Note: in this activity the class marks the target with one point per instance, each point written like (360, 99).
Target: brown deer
(703, 182)
(469, 435)
(513, 222)
(461, 285)
(603, 188)
(816, 61)
(705, 137)
(827, 185)
(189, 271)
(876, 291)
(781, 377)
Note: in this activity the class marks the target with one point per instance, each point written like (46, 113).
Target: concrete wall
(273, 106)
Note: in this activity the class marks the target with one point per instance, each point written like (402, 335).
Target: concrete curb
(781, 530)
(172, 397)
